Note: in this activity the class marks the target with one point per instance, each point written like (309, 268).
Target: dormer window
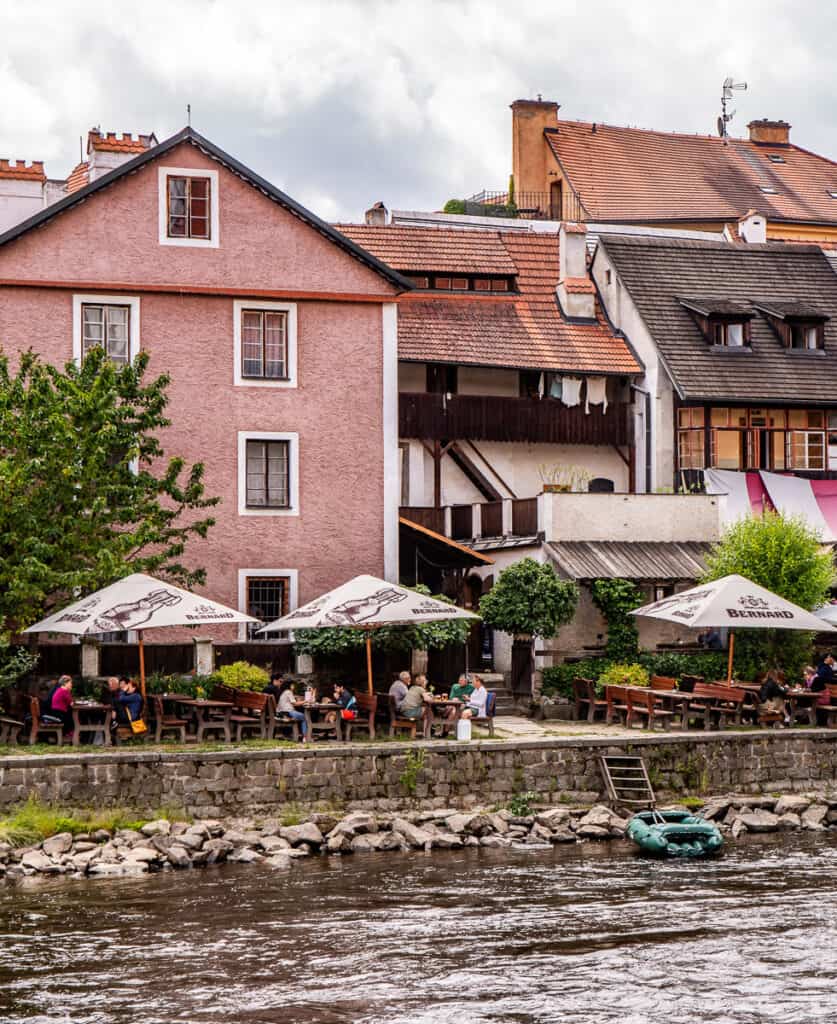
(188, 207)
(725, 323)
(447, 282)
(799, 326)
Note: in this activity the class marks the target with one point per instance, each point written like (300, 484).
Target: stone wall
(397, 776)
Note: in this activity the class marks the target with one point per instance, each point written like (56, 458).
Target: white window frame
(293, 469)
(239, 305)
(133, 303)
(163, 174)
(293, 594)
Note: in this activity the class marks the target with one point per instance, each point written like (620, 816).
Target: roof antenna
(189, 115)
(80, 150)
(726, 95)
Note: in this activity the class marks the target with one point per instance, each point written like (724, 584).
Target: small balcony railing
(511, 517)
(526, 205)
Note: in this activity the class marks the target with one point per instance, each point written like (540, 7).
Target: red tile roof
(523, 330)
(78, 177)
(19, 170)
(110, 142)
(630, 174)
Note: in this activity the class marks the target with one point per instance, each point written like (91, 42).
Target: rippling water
(581, 934)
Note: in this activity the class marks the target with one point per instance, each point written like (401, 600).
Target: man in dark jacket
(128, 704)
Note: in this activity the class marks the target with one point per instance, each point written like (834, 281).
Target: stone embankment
(164, 845)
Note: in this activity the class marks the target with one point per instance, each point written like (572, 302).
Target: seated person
(825, 669)
(285, 706)
(461, 691)
(819, 685)
(275, 686)
(414, 704)
(109, 690)
(477, 701)
(127, 705)
(60, 705)
(345, 699)
(400, 687)
(710, 638)
(772, 696)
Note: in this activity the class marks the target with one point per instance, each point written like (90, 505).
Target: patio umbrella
(369, 603)
(734, 602)
(137, 602)
(827, 612)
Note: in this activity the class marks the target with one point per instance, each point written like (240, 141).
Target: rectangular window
(264, 346)
(188, 207)
(460, 284)
(727, 449)
(267, 599)
(443, 283)
(805, 336)
(690, 453)
(726, 334)
(482, 284)
(806, 449)
(442, 378)
(268, 474)
(106, 327)
(499, 286)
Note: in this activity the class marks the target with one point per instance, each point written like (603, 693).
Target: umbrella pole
(731, 651)
(369, 661)
(142, 664)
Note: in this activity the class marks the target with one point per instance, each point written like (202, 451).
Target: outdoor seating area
(692, 703)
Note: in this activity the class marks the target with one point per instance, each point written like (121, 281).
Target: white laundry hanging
(596, 393)
(571, 391)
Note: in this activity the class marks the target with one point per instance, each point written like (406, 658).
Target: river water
(587, 933)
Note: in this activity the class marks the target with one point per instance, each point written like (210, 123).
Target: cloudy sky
(344, 102)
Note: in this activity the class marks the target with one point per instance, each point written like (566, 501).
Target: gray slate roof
(632, 560)
(659, 272)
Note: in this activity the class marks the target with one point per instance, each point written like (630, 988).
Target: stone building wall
(395, 776)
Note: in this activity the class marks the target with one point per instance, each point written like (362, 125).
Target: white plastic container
(463, 729)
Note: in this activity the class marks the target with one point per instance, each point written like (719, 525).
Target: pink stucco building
(278, 332)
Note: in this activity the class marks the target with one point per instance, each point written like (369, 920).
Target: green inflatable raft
(674, 834)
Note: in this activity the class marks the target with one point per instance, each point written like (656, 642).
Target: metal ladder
(627, 781)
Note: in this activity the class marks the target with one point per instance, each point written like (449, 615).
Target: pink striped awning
(746, 494)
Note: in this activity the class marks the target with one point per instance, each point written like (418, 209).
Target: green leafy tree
(529, 599)
(421, 637)
(616, 599)
(86, 494)
(786, 556)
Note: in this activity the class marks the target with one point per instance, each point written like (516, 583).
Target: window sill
(265, 382)
(268, 511)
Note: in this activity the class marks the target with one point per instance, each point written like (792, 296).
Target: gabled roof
(523, 330)
(657, 271)
(211, 150)
(630, 174)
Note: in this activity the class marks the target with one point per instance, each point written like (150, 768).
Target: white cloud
(343, 102)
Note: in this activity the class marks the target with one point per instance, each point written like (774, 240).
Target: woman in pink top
(62, 703)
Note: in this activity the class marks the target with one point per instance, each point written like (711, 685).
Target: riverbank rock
(178, 857)
(415, 836)
(57, 845)
(791, 803)
(813, 818)
(307, 833)
(758, 821)
(37, 860)
(160, 827)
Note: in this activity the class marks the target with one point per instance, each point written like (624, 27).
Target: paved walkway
(512, 727)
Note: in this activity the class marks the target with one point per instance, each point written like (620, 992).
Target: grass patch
(39, 749)
(693, 803)
(34, 821)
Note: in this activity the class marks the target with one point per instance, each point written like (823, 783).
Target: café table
(316, 716)
(209, 716)
(803, 705)
(92, 718)
(439, 708)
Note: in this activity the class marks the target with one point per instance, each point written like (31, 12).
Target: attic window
(798, 325)
(775, 158)
(730, 333)
(473, 282)
(768, 190)
(832, 192)
(725, 323)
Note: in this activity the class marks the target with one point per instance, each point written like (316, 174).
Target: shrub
(454, 206)
(711, 665)
(529, 598)
(622, 675)
(616, 599)
(558, 679)
(241, 675)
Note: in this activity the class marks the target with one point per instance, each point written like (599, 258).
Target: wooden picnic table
(316, 716)
(91, 717)
(803, 704)
(442, 705)
(209, 716)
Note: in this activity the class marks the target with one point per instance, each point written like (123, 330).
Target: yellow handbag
(138, 726)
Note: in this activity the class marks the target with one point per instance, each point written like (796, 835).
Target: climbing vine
(616, 599)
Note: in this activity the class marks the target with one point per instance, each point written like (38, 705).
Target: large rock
(143, 854)
(415, 836)
(56, 845)
(458, 823)
(479, 825)
(118, 870)
(273, 844)
(160, 827)
(81, 861)
(217, 850)
(178, 857)
(357, 823)
(307, 833)
(789, 821)
(37, 860)
(738, 828)
(592, 832)
(278, 861)
(814, 818)
(101, 835)
(244, 855)
(494, 841)
(759, 821)
(339, 842)
(598, 816)
(716, 808)
(564, 835)
(364, 844)
(554, 818)
(79, 846)
(794, 804)
(192, 840)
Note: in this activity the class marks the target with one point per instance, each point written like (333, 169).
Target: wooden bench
(38, 727)
(397, 722)
(587, 703)
(487, 719)
(662, 683)
(9, 730)
(279, 721)
(163, 723)
(367, 706)
(645, 705)
(827, 713)
(250, 716)
(724, 703)
(617, 704)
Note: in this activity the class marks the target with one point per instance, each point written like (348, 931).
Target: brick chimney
(530, 156)
(576, 292)
(21, 191)
(376, 215)
(774, 133)
(105, 151)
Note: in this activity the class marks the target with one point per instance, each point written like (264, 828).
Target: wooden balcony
(511, 517)
(439, 417)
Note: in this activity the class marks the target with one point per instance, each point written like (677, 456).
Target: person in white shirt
(477, 700)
